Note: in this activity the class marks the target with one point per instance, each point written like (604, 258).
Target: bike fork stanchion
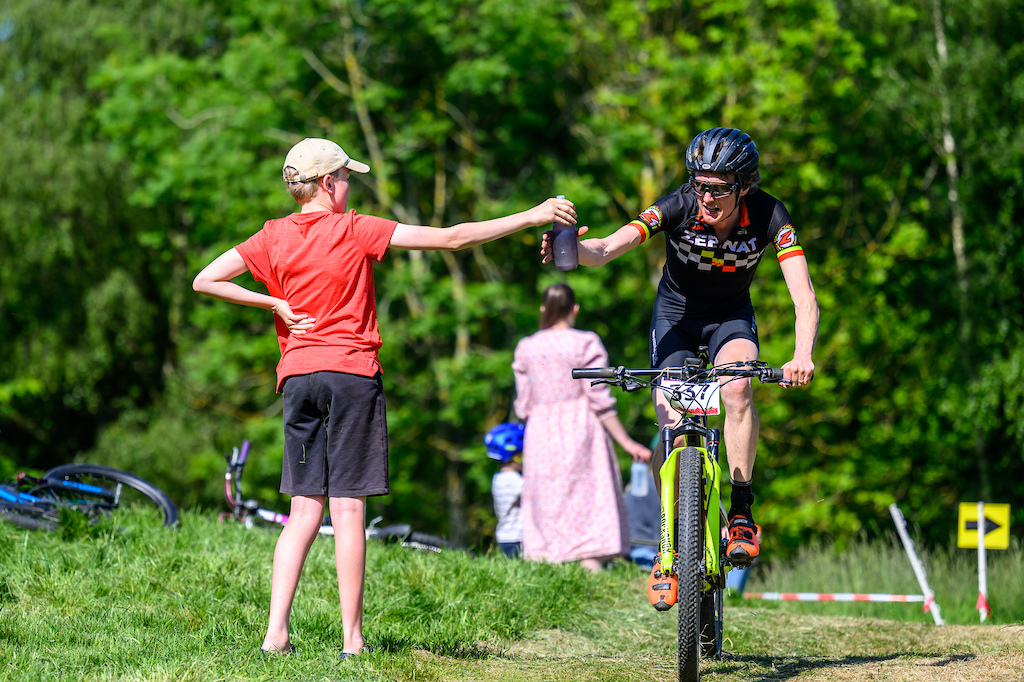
(669, 485)
(713, 498)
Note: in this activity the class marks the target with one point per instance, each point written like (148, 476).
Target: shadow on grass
(451, 648)
(784, 667)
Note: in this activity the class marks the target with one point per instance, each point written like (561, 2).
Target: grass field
(135, 601)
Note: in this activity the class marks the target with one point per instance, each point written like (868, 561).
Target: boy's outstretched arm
(215, 281)
(423, 238)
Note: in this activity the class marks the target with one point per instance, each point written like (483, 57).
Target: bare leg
(348, 515)
(667, 415)
(307, 512)
(741, 422)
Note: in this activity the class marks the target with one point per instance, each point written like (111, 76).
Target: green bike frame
(712, 472)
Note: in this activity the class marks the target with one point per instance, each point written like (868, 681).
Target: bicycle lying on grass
(250, 513)
(97, 491)
(691, 545)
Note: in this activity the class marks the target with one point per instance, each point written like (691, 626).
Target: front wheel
(690, 539)
(74, 484)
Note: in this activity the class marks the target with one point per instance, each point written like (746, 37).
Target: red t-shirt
(322, 265)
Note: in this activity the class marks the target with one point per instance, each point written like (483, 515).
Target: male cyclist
(717, 226)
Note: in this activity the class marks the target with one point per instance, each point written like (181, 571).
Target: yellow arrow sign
(996, 526)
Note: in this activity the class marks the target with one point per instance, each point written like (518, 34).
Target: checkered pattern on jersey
(709, 259)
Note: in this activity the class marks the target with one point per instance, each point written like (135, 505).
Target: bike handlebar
(765, 373)
(595, 373)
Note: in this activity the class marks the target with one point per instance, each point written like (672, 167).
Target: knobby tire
(690, 538)
(104, 476)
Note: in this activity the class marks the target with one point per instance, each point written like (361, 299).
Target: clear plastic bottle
(565, 245)
(639, 474)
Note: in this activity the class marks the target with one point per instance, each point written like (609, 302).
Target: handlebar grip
(245, 452)
(594, 373)
(774, 374)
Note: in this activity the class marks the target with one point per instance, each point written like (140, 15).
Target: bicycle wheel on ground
(404, 535)
(429, 543)
(127, 491)
(690, 539)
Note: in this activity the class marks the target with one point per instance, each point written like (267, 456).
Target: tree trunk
(949, 155)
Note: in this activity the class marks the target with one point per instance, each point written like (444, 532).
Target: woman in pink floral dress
(572, 503)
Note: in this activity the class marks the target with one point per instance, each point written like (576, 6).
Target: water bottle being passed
(564, 245)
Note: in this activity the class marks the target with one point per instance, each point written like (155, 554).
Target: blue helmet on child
(504, 441)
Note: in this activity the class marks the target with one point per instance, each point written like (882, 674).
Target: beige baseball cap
(314, 157)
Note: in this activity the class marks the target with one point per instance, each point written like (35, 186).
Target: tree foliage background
(142, 139)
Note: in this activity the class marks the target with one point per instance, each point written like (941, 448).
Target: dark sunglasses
(717, 190)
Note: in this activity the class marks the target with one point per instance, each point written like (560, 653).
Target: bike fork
(713, 500)
(712, 474)
(669, 485)
(712, 494)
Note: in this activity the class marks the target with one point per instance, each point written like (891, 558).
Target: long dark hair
(559, 302)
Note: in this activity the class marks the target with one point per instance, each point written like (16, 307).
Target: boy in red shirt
(317, 265)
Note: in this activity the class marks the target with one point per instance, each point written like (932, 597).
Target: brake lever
(629, 385)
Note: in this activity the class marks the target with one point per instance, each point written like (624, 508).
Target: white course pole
(930, 604)
(982, 606)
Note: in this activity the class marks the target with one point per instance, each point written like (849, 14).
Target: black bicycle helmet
(722, 150)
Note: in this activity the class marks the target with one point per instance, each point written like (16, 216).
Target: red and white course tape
(834, 596)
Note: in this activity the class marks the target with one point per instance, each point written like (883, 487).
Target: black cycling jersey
(707, 277)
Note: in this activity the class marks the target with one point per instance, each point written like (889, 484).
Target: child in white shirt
(505, 444)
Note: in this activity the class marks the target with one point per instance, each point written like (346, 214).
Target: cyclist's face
(717, 209)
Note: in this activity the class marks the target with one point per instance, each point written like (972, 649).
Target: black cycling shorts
(675, 337)
(335, 435)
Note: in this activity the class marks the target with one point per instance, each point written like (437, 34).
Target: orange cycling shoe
(662, 590)
(742, 547)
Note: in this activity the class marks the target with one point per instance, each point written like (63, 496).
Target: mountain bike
(97, 491)
(691, 542)
(251, 514)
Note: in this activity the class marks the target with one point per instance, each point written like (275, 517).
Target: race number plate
(694, 398)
